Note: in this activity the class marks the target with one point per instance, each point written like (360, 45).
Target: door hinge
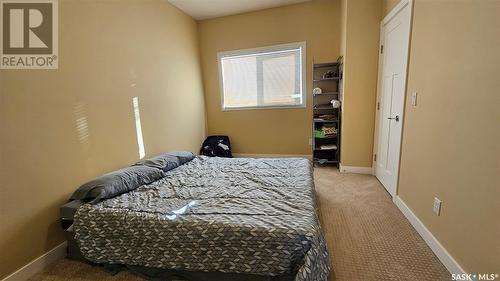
(375, 157)
(381, 49)
(378, 105)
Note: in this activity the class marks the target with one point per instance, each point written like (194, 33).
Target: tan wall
(359, 39)
(451, 139)
(283, 131)
(110, 51)
(388, 5)
(343, 28)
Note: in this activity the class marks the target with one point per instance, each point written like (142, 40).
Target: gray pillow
(116, 183)
(167, 161)
(184, 156)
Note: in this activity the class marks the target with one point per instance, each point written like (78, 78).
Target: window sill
(303, 106)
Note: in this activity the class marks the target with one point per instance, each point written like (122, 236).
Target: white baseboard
(39, 264)
(244, 155)
(448, 261)
(356, 170)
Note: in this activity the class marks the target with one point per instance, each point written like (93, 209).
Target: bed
(253, 217)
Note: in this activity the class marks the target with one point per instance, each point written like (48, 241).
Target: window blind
(262, 79)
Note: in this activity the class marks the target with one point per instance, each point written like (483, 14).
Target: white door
(394, 39)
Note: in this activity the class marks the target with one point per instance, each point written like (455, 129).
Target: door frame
(401, 5)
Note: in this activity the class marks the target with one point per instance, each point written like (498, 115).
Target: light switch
(414, 98)
(436, 208)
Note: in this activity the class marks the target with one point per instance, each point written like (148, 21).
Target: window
(268, 77)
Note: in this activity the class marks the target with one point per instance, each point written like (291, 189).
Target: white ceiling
(206, 9)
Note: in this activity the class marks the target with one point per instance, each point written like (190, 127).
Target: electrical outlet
(414, 98)
(437, 206)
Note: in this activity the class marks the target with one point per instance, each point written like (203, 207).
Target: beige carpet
(367, 236)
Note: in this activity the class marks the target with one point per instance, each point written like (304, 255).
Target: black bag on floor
(219, 146)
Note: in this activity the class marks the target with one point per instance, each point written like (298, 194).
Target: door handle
(394, 118)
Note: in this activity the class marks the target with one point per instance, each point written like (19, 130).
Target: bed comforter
(239, 215)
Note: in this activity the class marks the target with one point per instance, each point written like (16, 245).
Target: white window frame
(267, 49)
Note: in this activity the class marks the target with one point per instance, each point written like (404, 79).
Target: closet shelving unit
(331, 89)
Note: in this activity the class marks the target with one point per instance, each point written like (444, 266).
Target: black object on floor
(216, 146)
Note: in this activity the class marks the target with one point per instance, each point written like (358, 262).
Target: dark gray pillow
(116, 183)
(184, 156)
(167, 161)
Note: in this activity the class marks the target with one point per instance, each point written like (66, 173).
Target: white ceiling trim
(207, 9)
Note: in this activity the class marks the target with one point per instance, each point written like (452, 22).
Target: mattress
(234, 215)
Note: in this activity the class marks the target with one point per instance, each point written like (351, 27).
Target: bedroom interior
(105, 173)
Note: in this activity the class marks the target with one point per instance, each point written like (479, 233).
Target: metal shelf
(331, 90)
(324, 108)
(324, 149)
(327, 64)
(325, 121)
(326, 138)
(317, 160)
(326, 94)
(326, 79)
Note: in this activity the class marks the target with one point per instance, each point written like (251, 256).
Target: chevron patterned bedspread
(239, 215)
